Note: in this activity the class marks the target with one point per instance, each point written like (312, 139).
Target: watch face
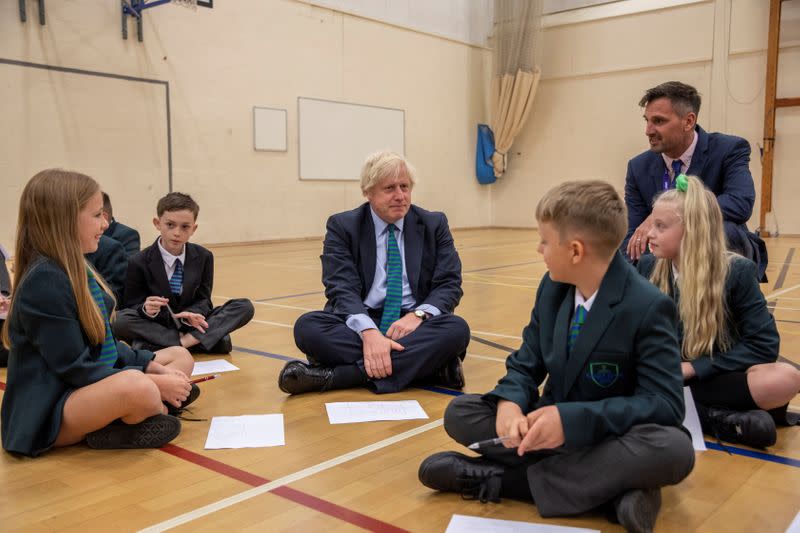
(421, 314)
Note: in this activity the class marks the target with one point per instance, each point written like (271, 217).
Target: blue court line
(289, 296)
(733, 450)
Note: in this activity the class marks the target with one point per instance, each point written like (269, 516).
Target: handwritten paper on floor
(248, 431)
(214, 366)
(347, 412)
(473, 524)
(692, 421)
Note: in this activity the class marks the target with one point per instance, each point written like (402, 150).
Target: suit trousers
(566, 482)
(326, 340)
(130, 326)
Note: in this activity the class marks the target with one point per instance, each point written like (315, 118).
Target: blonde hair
(381, 165)
(591, 208)
(703, 267)
(48, 227)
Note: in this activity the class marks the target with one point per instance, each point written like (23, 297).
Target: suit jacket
(111, 261)
(624, 369)
(348, 260)
(127, 236)
(50, 357)
(147, 277)
(5, 279)
(720, 161)
(754, 336)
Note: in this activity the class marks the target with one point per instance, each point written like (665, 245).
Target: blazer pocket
(607, 374)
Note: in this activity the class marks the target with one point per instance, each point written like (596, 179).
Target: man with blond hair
(392, 277)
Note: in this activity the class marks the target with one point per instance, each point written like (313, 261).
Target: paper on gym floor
(474, 524)
(347, 412)
(247, 431)
(692, 422)
(215, 366)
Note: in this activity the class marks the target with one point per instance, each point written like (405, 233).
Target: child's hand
(5, 303)
(153, 304)
(546, 431)
(510, 423)
(174, 389)
(195, 320)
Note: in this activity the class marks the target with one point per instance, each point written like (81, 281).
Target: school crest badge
(604, 374)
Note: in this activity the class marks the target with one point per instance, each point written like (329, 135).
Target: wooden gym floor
(345, 477)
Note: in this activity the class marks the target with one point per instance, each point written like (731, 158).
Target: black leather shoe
(451, 375)
(298, 377)
(153, 432)
(472, 477)
(223, 346)
(637, 509)
(193, 394)
(754, 428)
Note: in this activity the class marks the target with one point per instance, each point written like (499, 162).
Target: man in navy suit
(392, 277)
(678, 145)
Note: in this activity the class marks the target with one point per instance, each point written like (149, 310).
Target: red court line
(302, 498)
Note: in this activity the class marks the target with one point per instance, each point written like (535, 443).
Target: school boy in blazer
(606, 431)
(168, 289)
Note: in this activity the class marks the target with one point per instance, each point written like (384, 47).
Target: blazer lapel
(367, 251)
(412, 244)
(597, 320)
(699, 155)
(560, 334)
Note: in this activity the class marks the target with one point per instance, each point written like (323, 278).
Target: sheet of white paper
(473, 524)
(215, 366)
(794, 527)
(347, 412)
(248, 431)
(692, 421)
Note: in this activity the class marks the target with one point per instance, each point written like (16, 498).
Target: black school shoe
(153, 432)
(193, 394)
(472, 477)
(754, 428)
(637, 509)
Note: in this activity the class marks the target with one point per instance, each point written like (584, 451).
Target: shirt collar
(381, 225)
(580, 300)
(686, 157)
(170, 259)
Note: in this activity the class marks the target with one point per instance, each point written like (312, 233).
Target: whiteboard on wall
(269, 129)
(336, 137)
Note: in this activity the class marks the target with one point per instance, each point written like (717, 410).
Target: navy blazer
(348, 260)
(50, 357)
(111, 262)
(624, 369)
(147, 277)
(754, 336)
(720, 161)
(127, 236)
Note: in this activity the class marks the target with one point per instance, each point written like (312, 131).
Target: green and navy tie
(176, 281)
(108, 352)
(575, 327)
(394, 281)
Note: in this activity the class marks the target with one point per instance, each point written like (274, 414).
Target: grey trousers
(568, 482)
(130, 326)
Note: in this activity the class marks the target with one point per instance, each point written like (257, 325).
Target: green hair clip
(682, 182)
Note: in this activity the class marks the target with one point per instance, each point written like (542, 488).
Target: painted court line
(291, 478)
(289, 296)
(782, 291)
(492, 334)
(270, 304)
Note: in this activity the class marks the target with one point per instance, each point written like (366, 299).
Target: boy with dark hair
(606, 431)
(127, 236)
(168, 289)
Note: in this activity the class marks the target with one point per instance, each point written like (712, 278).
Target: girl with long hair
(729, 342)
(68, 379)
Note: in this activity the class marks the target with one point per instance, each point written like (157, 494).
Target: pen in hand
(486, 443)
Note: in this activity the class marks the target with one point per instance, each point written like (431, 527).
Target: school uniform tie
(176, 281)
(575, 327)
(108, 351)
(394, 281)
(676, 171)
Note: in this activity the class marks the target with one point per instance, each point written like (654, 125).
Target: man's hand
(687, 370)
(153, 304)
(195, 320)
(511, 423)
(403, 326)
(377, 349)
(546, 431)
(638, 242)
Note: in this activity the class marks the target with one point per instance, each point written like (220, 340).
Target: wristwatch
(422, 315)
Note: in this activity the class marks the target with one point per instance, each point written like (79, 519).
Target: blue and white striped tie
(394, 281)
(176, 281)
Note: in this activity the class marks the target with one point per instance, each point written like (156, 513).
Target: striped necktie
(676, 171)
(108, 351)
(394, 281)
(176, 281)
(575, 327)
